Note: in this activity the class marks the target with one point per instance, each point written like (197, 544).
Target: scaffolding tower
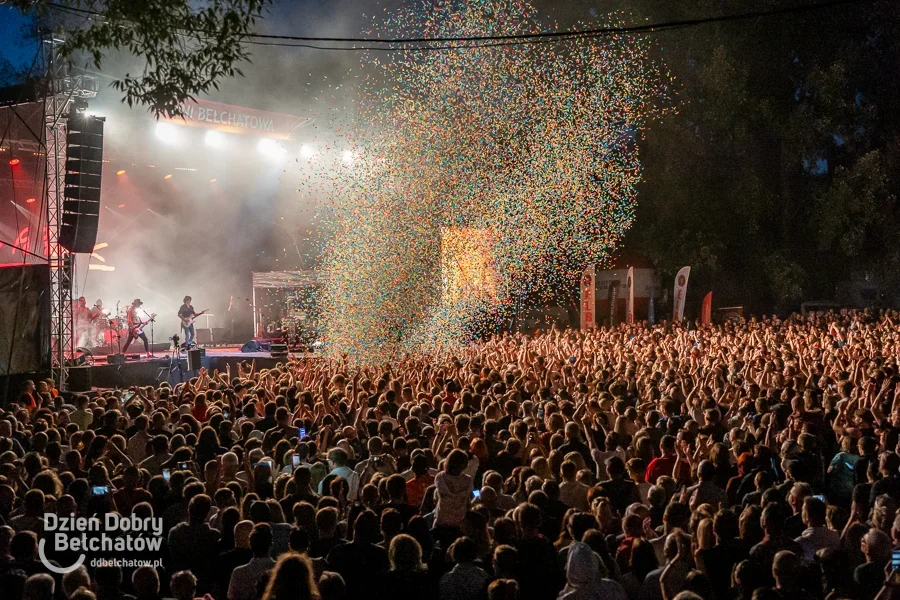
(61, 91)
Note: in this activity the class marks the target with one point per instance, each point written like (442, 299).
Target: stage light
(121, 206)
(120, 172)
(213, 180)
(270, 148)
(169, 134)
(307, 151)
(169, 176)
(215, 139)
(31, 201)
(348, 156)
(106, 268)
(14, 161)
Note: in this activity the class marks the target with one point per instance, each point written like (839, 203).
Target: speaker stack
(194, 359)
(84, 168)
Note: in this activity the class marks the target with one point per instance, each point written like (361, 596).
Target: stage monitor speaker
(84, 167)
(193, 359)
(115, 359)
(204, 336)
(279, 350)
(80, 379)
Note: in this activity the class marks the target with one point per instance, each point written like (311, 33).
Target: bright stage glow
(213, 180)
(106, 268)
(307, 151)
(270, 148)
(31, 201)
(467, 269)
(169, 134)
(169, 176)
(349, 156)
(120, 172)
(121, 206)
(14, 161)
(215, 139)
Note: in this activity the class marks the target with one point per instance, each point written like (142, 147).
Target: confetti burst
(533, 144)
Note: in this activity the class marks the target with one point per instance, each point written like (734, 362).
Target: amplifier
(279, 350)
(115, 359)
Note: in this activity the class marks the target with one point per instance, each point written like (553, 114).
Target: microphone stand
(152, 321)
(118, 337)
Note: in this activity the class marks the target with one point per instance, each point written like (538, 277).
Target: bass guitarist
(188, 315)
(136, 327)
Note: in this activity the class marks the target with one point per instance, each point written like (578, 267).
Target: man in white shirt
(817, 535)
(242, 585)
(137, 444)
(572, 493)
(337, 462)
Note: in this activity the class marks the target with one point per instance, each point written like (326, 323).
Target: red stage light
(14, 161)
(120, 172)
(30, 201)
(121, 206)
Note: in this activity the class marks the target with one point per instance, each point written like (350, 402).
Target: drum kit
(105, 328)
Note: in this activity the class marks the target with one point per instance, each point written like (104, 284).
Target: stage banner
(706, 310)
(681, 283)
(588, 299)
(629, 299)
(238, 119)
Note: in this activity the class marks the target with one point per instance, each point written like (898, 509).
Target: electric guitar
(139, 328)
(188, 321)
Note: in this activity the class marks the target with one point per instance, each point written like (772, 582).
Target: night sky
(13, 48)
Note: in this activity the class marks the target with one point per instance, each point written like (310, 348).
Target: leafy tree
(777, 178)
(186, 48)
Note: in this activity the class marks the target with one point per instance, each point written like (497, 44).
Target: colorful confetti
(534, 145)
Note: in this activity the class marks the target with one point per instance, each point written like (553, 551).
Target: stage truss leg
(56, 106)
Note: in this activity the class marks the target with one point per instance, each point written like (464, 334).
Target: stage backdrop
(24, 319)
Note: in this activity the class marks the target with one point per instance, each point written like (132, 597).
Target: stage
(152, 371)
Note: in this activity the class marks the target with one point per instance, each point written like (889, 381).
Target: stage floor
(162, 367)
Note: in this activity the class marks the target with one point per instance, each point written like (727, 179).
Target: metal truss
(61, 90)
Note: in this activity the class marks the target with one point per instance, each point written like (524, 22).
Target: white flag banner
(681, 283)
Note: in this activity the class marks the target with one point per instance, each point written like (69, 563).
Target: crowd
(748, 460)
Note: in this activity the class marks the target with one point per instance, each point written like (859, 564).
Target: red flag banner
(706, 310)
(588, 298)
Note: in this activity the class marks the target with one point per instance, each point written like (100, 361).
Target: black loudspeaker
(84, 167)
(193, 358)
(80, 379)
(115, 359)
(279, 350)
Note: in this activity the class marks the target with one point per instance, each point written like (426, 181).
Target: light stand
(174, 363)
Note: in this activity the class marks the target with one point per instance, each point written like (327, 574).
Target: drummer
(97, 311)
(99, 324)
(82, 318)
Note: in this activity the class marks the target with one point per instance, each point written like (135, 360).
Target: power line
(488, 41)
(648, 28)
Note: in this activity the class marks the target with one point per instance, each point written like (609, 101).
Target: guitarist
(187, 314)
(135, 328)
